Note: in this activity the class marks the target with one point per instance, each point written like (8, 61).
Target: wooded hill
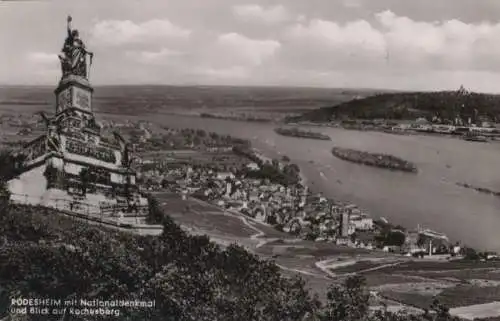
(411, 105)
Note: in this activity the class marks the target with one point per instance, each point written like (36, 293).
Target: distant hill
(411, 105)
(137, 100)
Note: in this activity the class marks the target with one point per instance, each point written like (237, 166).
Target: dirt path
(380, 267)
(326, 266)
(246, 220)
(487, 310)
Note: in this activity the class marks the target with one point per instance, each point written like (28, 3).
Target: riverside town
(197, 202)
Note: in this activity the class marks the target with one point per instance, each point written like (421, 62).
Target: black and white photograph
(250, 160)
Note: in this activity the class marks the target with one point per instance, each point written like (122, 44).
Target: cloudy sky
(392, 44)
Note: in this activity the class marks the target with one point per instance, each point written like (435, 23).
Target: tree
(395, 238)
(347, 302)
(10, 164)
(470, 254)
(440, 313)
(85, 179)
(391, 238)
(197, 140)
(201, 133)
(189, 277)
(4, 195)
(422, 240)
(155, 214)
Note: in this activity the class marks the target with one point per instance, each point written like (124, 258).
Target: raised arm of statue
(69, 26)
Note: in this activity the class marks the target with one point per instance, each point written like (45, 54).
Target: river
(430, 198)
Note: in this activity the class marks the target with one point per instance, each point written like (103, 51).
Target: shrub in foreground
(44, 254)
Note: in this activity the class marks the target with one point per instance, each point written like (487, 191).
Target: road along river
(430, 198)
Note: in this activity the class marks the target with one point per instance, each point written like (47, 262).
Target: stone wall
(30, 186)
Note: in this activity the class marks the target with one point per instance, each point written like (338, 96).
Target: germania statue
(74, 54)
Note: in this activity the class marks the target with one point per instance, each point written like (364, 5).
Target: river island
(296, 132)
(374, 159)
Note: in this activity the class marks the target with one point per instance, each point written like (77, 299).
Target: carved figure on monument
(53, 132)
(74, 54)
(92, 124)
(126, 159)
(45, 119)
(53, 140)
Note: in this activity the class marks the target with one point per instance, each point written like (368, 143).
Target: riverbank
(479, 189)
(296, 132)
(259, 154)
(340, 207)
(439, 201)
(374, 159)
(486, 134)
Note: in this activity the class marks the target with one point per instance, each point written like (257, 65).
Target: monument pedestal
(72, 166)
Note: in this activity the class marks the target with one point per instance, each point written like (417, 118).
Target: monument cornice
(74, 80)
(77, 162)
(84, 163)
(66, 110)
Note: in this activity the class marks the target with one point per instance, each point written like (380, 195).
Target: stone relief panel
(64, 100)
(81, 98)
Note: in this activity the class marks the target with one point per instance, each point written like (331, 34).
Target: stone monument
(72, 164)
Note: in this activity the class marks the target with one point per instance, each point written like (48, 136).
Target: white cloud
(49, 73)
(42, 68)
(154, 57)
(394, 42)
(120, 32)
(387, 50)
(449, 44)
(42, 58)
(283, 45)
(231, 73)
(301, 18)
(241, 49)
(352, 3)
(326, 45)
(354, 34)
(270, 15)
